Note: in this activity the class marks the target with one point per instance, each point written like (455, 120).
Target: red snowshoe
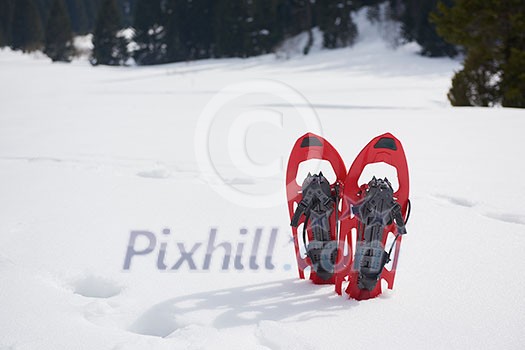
(314, 205)
(370, 213)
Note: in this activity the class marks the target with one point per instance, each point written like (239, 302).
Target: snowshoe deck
(366, 268)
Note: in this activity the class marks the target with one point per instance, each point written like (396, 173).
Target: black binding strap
(409, 204)
(317, 203)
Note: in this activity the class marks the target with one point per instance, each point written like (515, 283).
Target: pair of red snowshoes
(346, 226)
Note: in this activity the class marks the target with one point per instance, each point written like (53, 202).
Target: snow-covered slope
(88, 155)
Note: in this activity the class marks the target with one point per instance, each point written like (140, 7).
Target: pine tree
(150, 32)
(59, 38)
(78, 16)
(414, 18)
(108, 47)
(196, 27)
(513, 80)
(246, 28)
(249, 28)
(127, 11)
(298, 16)
(174, 30)
(336, 23)
(26, 30)
(6, 19)
(92, 9)
(230, 28)
(264, 33)
(475, 84)
(493, 34)
(43, 7)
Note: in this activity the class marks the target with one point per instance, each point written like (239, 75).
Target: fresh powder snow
(182, 153)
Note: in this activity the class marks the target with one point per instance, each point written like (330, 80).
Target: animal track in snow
(500, 216)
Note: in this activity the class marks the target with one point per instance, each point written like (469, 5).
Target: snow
(294, 46)
(88, 155)
(83, 45)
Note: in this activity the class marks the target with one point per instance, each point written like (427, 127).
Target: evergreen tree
(416, 26)
(210, 28)
(284, 19)
(190, 30)
(44, 7)
(246, 28)
(475, 84)
(108, 47)
(26, 30)
(308, 23)
(336, 23)
(230, 28)
(493, 34)
(297, 16)
(6, 19)
(92, 10)
(127, 12)
(78, 16)
(264, 32)
(513, 79)
(150, 32)
(59, 38)
(279, 20)
(195, 27)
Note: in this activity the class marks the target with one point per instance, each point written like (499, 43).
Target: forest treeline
(490, 33)
(178, 30)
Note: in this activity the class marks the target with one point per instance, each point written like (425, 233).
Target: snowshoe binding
(376, 210)
(317, 205)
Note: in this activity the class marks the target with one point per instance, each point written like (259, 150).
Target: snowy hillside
(88, 155)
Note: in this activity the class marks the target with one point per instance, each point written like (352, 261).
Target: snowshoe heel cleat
(323, 256)
(369, 261)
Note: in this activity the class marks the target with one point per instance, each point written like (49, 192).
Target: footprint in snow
(462, 202)
(275, 336)
(10, 347)
(505, 217)
(96, 287)
(509, 218)
(239, 181)
(3, 262)
(155, 174)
